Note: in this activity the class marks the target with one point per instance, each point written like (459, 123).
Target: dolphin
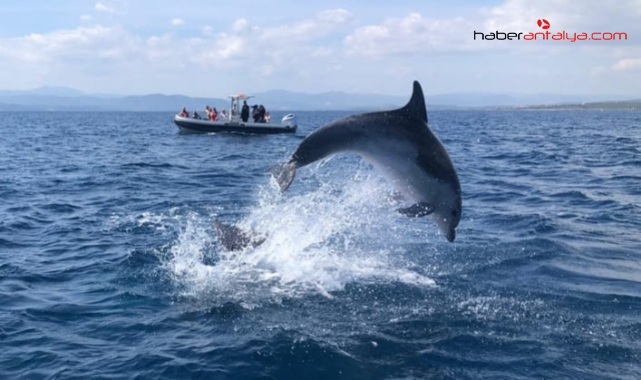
(235, 239)
(402, 147)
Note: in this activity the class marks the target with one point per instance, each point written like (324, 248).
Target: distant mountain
(634, 104)
(512, 100)
(45, 91)
(160, 102)
(273, 100)
(289, 100)
(68, 99)
(57, 91)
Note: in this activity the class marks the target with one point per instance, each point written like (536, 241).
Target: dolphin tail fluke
(284, 174)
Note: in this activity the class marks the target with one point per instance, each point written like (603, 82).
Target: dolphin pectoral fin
(284, 174)
(417, 210)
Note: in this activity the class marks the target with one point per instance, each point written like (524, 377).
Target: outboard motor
(290, 121)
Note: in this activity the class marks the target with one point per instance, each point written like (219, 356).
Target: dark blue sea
(110, 267)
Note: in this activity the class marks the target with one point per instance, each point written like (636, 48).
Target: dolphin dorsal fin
(416, 105)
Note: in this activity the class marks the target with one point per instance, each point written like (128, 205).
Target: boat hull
(190, 125)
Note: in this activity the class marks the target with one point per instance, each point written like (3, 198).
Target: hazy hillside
(68, 99)
(627, 104)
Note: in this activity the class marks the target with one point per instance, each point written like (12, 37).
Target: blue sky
(204, 48)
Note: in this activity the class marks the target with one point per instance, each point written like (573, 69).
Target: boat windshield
(234, 113)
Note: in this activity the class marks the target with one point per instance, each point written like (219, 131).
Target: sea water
(110, 267)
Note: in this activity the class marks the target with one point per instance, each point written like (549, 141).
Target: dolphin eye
(454, 212)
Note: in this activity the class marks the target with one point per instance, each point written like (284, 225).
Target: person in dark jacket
(255, 113)
(244, 112)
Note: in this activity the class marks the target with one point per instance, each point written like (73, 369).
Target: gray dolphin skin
(235, 239)
(401, 146)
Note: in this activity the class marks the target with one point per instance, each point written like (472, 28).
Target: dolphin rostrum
(401, 146)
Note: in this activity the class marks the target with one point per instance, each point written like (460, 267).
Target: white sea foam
(317, 242)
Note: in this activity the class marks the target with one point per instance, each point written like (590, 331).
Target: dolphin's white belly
(407, 177)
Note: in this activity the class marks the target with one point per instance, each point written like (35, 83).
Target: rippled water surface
(110, 266)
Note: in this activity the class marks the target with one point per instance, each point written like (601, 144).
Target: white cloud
(322, 24)
(275, 43)
(266, 70)
(567, 15)
(208, 30)
(334, 16)
(119, 7)
(229, 46)
(239, 25)
(322, 52)
(416, 34)
(629, 64)
(409, 35)
(77, 43)
(102, 7)
(329, 50)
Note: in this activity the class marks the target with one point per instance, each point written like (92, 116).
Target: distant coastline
(620, 105)
(68, 99)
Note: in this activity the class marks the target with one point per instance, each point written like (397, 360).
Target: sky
(213, 49)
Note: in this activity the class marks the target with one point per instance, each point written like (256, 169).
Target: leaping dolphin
(402, 147)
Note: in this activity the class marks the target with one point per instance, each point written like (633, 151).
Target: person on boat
(223, 115)
(244, 111)
(184, 112)
(261, 114)
(255, 113)
(213, 115)
(268, 117)
(196, 116)
(207, 112)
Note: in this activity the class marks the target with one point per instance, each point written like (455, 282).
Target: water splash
(317, 242)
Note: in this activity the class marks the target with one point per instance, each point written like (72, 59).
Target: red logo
(543, 23)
